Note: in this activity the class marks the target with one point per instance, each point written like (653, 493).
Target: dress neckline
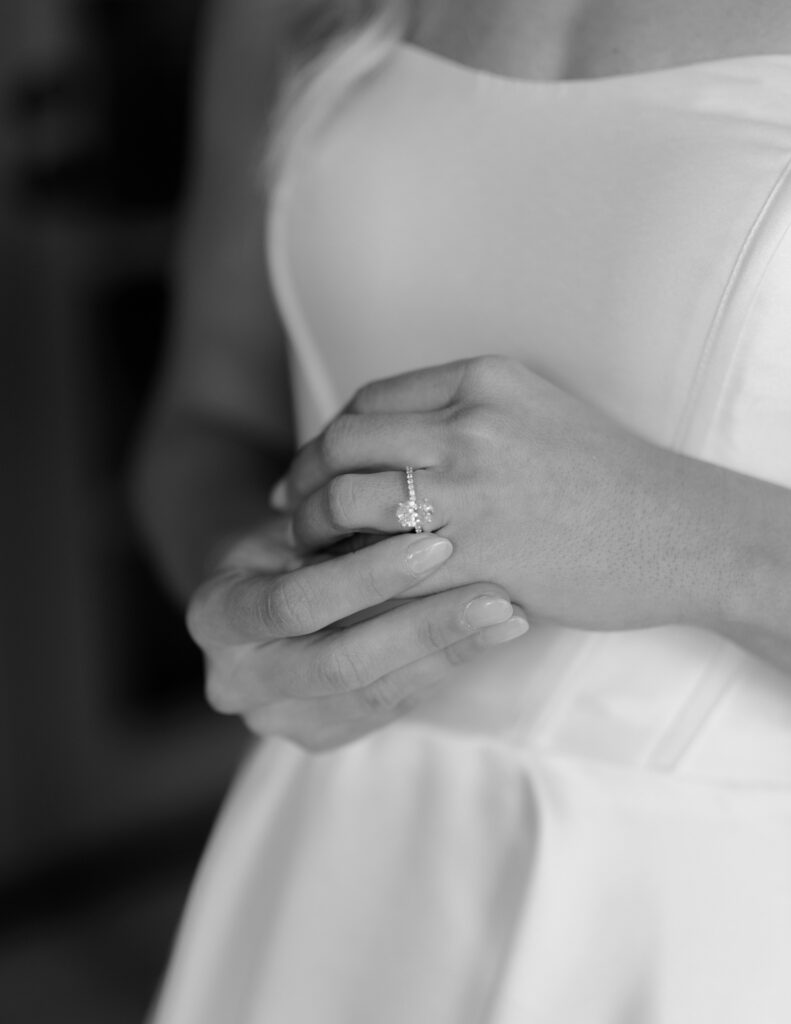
(626, 77)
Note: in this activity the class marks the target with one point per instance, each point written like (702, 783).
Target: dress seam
(714, 334)
(670, 748)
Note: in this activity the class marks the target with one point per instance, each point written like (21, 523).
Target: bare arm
(219, 430)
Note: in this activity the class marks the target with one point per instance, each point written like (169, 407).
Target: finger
(399, 691)
(285, 681)
(345, 660)
(366, 502)
(243, 608)
(434, 387)
(362, 443)
(321, 721)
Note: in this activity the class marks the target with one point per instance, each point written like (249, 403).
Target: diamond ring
(413, 514)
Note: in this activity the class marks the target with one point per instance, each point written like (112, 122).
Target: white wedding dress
(583, 828)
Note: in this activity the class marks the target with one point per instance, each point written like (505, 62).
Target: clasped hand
(556, 508)
(580, 521)
(283, 649)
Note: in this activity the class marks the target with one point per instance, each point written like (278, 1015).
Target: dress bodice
(625, 237)
(582, 827)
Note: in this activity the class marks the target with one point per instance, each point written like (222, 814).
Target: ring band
(413, 514)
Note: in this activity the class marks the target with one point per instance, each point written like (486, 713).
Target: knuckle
(489, 369)
(338, 669)
(482, 423)
(283, 607)
(340, 502)
(432, 635)
(484, 366)
(480, 429)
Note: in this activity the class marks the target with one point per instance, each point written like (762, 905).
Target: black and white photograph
(397, 512)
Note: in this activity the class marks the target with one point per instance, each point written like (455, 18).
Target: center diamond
(413, 515)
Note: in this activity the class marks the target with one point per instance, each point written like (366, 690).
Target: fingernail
(278, 496)
(427, 554)
(486, 611)
(510, 630)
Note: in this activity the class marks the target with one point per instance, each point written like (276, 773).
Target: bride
(527, 300)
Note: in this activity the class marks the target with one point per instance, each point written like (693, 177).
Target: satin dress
(581, 828)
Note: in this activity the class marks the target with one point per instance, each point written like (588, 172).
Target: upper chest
(592, 38)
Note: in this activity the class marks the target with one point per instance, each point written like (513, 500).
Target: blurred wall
(104, 737)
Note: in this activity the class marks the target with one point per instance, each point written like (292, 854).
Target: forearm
(196, 484)
(740, 537)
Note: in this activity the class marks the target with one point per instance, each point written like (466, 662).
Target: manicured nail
(278, 496)
(427, 554)
(505, 631)
(487, 610)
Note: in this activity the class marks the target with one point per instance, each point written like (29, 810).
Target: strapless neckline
(627, 78)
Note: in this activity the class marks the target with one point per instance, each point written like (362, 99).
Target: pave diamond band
(413, 514)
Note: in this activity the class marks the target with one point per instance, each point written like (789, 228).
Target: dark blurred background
(111, 767)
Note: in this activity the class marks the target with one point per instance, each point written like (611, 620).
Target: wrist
(703, 556)
(759, 601)
(743, 554)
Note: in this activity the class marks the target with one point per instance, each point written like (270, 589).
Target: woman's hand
(278, 655)
(580, 521)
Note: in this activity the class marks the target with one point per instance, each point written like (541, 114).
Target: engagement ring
(413, 514)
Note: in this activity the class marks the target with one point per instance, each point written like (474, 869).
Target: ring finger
(370, 503)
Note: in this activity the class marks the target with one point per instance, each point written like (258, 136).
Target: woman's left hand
(580, 521)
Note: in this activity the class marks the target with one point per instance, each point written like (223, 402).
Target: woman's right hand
(278, 653)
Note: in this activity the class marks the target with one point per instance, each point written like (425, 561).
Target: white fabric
(587, 828)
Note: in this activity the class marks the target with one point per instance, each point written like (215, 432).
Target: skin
(586, 525)
(592, 38)
(315, 648)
